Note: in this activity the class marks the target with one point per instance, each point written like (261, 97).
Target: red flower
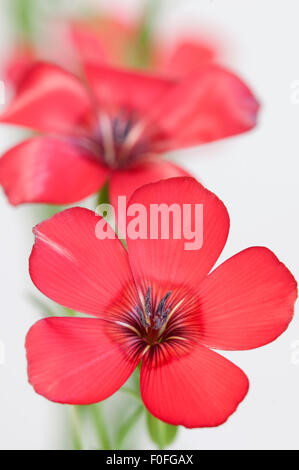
(114, 130)
(156, 303)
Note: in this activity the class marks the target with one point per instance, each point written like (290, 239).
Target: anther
(155, 319)
(121, 128)
(162, 302)
(142, 318)
(148, 303)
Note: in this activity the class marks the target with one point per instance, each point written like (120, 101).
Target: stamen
(142, 318)
(121, 128)
(163, 301)
(132, 137)
(107, 133)
(161, 314)
(150, 318)
(148, 303)
(170, 315)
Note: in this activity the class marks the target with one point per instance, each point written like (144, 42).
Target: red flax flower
(156, 303)
(114, 129)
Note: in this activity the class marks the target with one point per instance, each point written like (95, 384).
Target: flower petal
(36, 170)
(195, 388)
(118, 89)
(88, 45)
(187, 57)
(76, 360)
(171, 259)
(211, 104)
(18, 64)
(246, 302)
(49, 99)
(104, 39)
(73, 267)
(125, 182)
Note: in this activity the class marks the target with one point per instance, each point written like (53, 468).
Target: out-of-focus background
(255, 174)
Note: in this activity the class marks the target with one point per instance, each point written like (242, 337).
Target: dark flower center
(155, 316)
(119, 140)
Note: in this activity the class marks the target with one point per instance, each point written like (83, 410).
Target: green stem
(76, 427)
(100, 426)
(94, 411)
(161, 433)
(141, 54)
(128, 425)
(103, 195)
(131, 392)
(23, 13)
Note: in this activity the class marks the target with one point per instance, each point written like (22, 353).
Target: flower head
(156, 304)
(114, 129)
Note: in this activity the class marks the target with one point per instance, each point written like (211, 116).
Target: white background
(256, 175)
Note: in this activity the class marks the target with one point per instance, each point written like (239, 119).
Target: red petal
(73, 267)
(247, 301)
(51, 170)
(187, 57)
(49, 99)
(210, 105)
(18, 65)
(104, 39)
(125, 182)
(121, 89)
(197, 388)
(88, 45)
(168, 260)
(76, 360)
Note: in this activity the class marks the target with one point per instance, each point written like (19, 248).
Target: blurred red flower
(109, 40)
(114, 129)
(156, 303)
